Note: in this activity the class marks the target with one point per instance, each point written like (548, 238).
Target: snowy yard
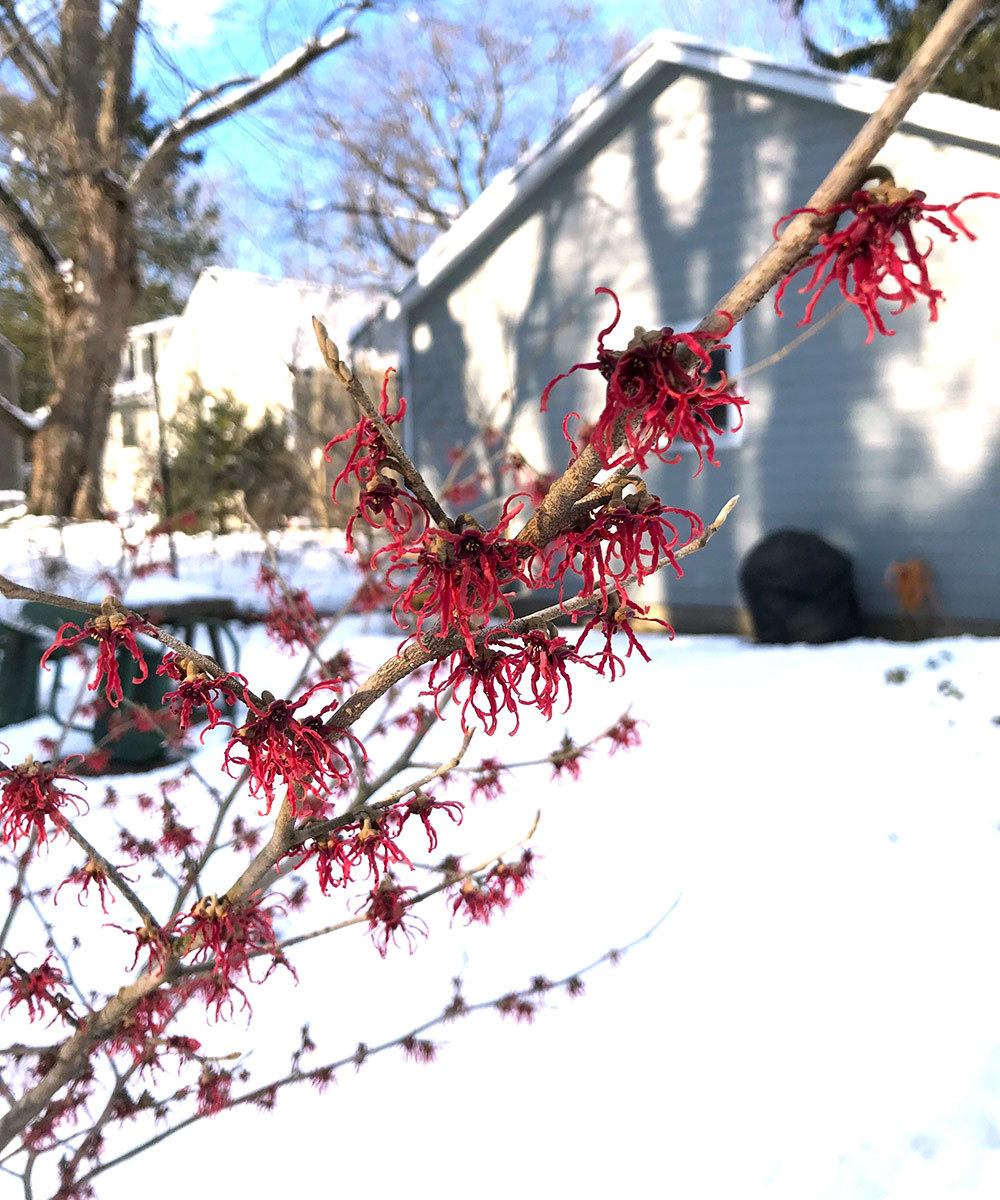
(819, 1015)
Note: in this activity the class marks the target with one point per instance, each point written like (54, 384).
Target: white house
(243, 333)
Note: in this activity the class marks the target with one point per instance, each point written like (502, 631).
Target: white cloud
(187, 22)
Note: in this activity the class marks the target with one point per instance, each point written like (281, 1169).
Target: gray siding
(890, 450)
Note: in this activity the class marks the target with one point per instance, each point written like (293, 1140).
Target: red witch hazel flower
(421, 805)
(298, 751)
(388, 914)
(618, 619)
(460, 575)
(478, 899)
(382, 504)
(659, 386)
(486, 783)
(487, 674)
(506, 670)
(618, 539)
(83, 877)
(141, 1033)
(31, 799)
(875, 256)
(196, 690)
(148, 937)
(290, 620)
(369, 451)
(214, 1091)
(114, 629)
(624, 734)
(373, 842)
(225, 937)
(35, 989)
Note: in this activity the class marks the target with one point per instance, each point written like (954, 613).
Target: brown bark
(89, 322)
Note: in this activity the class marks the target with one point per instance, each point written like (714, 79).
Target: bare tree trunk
(88, 326)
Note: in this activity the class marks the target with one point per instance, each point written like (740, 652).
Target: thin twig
(738, 380)
(415, 481)
(449, 1014)
(109, 869)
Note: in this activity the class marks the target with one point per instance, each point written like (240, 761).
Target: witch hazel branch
(310, 817)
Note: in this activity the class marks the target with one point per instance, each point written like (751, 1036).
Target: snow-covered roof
(932, 112)
(148, 327)
(278, 312)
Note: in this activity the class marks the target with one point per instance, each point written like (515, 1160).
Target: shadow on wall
(825, 450)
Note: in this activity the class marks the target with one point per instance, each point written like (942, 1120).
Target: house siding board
(889, 450)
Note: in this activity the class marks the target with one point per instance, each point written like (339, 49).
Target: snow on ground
(76, 559)
(818, 1017)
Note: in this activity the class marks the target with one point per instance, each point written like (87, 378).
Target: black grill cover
(800, 589)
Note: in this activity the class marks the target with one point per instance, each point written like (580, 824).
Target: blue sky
(251, 159)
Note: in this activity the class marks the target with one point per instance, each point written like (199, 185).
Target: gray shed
(664, 185)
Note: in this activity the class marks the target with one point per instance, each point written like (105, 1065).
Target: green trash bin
(136, 746)
(21, 650)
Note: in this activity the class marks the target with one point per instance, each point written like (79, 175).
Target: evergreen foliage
(216, 458)
(973, 73)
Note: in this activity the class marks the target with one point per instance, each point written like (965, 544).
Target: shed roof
(277, 313)
(932, 112)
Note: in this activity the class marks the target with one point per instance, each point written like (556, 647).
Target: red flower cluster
(197, 690)
(866, 260)
(617, 539)
(36, 989)
(388, 914)
(658, 387)
(460, 575)
(226, 938)
(486, 783)
(421, 805)
(290, 619)
(214, 1091)
(615, 619)
(114, 629)
(275, 744)
(372, 841)
(83, 877)
(506, 670)
(479, 899)
(142, 1031)
(31, 799)
(383, 503)
(624, 734)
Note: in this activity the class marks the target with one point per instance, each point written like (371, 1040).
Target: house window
(130, 427)
(127, 370)
(731, 361)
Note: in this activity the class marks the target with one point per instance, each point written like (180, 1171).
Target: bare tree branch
(118, 71)
(26, 52)
(223, 107)
(23, 424)
(34, 246)
(211, 93)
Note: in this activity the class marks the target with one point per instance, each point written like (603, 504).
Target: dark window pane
(721, 414)
(130, 427)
